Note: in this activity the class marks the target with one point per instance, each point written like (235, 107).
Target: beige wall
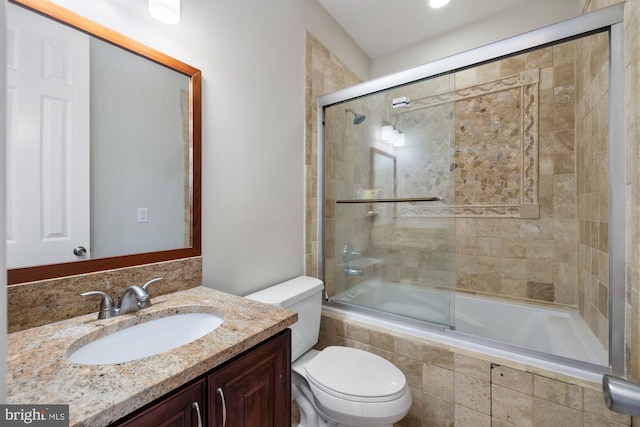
(251, 55)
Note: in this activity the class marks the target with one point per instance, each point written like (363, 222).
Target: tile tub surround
(39, 373)
(39, 303)
(455, 386)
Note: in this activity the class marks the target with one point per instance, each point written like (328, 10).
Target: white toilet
(338, 386)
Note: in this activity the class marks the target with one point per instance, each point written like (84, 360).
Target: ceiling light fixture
(166, 11)
(386, 133)
(391, 135)
(438, 3)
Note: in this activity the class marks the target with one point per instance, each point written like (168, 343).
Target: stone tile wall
(632, 147)
(529, 258)
(452, 386)
(592, 164)
(324, 73)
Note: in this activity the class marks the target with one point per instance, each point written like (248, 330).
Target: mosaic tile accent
(494, 160)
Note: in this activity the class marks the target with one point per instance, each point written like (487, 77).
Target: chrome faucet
(348, 253)
(133, 298)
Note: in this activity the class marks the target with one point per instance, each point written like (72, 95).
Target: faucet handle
(348, 253)
(106, 305)
(150, 282)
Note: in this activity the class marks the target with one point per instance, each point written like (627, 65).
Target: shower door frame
(610, 20)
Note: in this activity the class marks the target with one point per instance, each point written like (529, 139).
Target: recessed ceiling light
(166, 11)
(437, 3)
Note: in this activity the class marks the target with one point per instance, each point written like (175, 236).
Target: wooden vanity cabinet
(178, 409)
(251, 390)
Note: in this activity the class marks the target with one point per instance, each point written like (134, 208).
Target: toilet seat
(352, 387)
(355, 375)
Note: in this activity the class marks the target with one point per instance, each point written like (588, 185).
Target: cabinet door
(255, 389)
(180, 409)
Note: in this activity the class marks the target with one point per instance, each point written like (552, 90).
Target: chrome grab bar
(621, 395)
(401, 200)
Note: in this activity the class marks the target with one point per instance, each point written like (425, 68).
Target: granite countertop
(38, 371)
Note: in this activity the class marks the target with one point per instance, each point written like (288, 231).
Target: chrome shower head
(359, 118)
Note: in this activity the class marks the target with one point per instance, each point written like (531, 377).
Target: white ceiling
(383, 26)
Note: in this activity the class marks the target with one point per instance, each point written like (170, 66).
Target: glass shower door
(526, 229)
(390, 231)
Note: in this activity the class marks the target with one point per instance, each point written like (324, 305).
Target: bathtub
(555, 332)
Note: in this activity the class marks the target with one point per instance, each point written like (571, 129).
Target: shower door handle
(621, 395)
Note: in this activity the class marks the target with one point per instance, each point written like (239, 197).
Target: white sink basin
(146, 339)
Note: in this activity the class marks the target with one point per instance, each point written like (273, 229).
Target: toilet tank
(304, 296)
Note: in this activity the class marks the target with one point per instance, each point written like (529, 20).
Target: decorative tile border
(523, 199)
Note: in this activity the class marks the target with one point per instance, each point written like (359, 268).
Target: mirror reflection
(383, 174)
(99, 146)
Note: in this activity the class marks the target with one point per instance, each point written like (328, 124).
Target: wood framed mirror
(143, 185)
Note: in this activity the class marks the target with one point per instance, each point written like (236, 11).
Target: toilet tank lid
(288, 293)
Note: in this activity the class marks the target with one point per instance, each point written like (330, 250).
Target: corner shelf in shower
(362, 262)
(401, 200)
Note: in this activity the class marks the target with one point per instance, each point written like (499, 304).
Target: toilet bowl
(352, 387)
(337, 386)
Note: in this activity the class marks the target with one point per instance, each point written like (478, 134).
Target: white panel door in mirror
(48, 141)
